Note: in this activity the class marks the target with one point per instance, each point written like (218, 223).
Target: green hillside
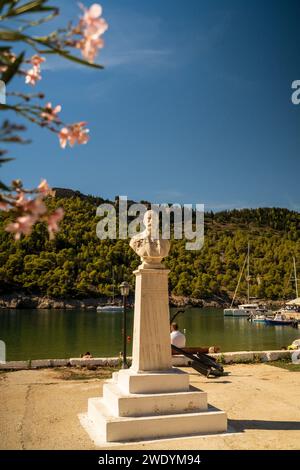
(77, 264)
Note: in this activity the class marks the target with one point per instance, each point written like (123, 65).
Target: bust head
(148, 244)
(150, 220)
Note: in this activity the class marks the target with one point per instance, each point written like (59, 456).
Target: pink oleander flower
(4, 206)
(63, 137)
(89, 47)
(21, 200)
(11, 57)
(32, 76)
(37, 60)
(92, 27)
(91, 22)
(36, 207)
(95, 28)
(49, 113)
(72, 134)
(53, 220)
(22, 225)
(92, 13)
(44, 188)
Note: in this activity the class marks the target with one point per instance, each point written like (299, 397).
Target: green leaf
(8, 35)
(76, 59)
(4, 187)
(7, 107)
(41, 51)
(64, 53)
(12, 69)
(5, 160)
(33, 6)
(38, 22)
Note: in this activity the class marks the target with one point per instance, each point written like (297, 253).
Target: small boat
(110, 308)
(279, 319)
(260, 315)
(259, 318)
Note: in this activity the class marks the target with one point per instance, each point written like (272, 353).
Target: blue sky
(194, 106)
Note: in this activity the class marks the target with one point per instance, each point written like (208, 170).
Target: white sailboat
(244, 310)
(112, 307)
(292, 308)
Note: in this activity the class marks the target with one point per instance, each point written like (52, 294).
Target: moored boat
(259, 319)
(243, 310)
(292, 308)
(279, 319)
(109, 308)
(260, 315)
(249, 309)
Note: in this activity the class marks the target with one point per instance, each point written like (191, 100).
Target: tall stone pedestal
(151, 334)
(152, 399)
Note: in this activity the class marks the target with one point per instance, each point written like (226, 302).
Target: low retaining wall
(73, 362)
(241, 357)
(225, 358)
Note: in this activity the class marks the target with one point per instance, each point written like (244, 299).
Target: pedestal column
(151, 333)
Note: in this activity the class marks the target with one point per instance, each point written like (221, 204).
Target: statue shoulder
(137, 240)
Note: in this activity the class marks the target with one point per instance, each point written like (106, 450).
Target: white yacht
(243, 310)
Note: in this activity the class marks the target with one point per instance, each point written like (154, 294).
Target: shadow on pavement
(243, 424)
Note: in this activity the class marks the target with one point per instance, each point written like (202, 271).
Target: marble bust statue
(151, 250)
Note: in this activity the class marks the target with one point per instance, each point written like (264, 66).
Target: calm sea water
(41, 334)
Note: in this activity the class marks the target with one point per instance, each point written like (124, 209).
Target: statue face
(151, 222)
(148, 218)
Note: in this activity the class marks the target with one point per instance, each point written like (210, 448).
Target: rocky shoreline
(27, 301)
(22, 300)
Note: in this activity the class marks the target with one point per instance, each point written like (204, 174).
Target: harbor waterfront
(42, 334)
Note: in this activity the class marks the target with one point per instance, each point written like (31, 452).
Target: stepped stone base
(136, 405)
(171, 380)
(152, 405)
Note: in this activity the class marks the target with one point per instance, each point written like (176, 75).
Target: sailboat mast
(237, 287)
(295, 277)
(113, 280)
(248, 273)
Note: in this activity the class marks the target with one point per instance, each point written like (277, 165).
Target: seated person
(295, 345)
(177, 338)
(87, 355)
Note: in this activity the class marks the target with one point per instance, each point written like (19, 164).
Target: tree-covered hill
(77, 264)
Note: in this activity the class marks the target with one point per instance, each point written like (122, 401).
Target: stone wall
(226, 358)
